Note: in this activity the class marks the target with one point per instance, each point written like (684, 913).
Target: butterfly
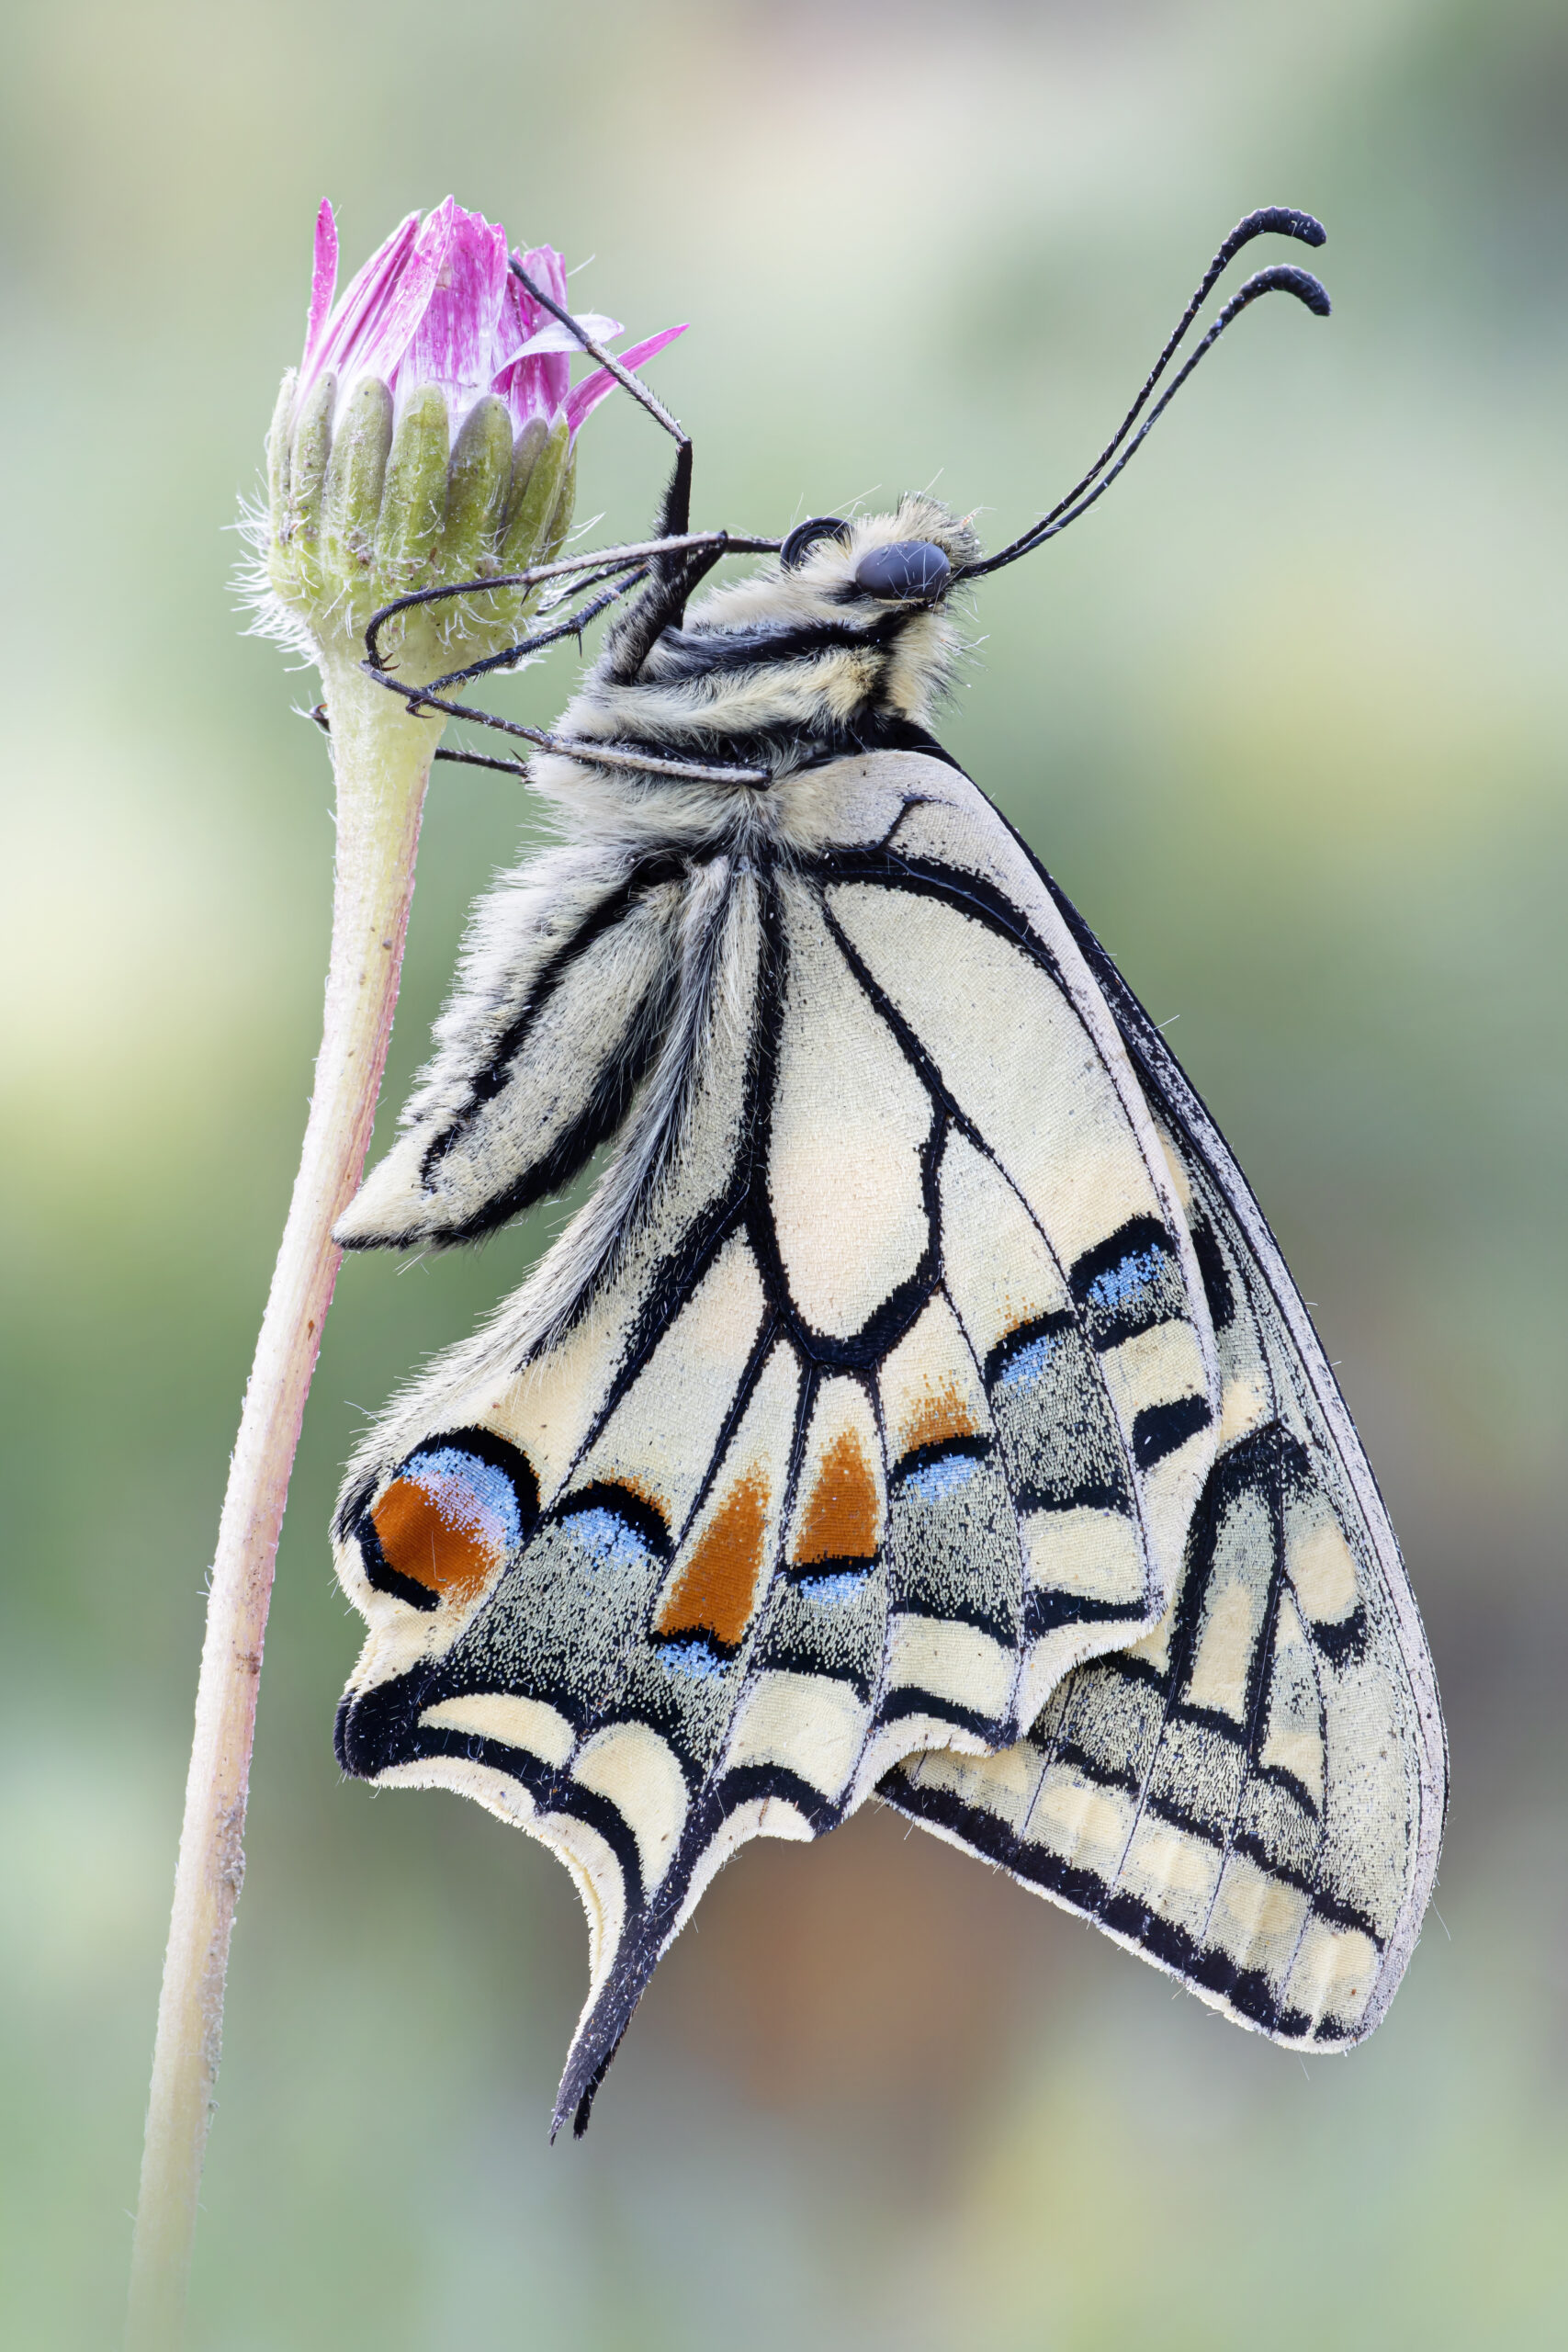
(920, 1407)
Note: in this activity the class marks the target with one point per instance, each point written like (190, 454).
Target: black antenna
(1284, 277)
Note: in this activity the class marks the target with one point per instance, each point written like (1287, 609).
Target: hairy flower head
(427, 436)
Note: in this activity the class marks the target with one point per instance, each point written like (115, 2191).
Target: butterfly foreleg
(660, 606)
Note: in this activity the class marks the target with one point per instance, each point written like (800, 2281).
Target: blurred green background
(1287, 718)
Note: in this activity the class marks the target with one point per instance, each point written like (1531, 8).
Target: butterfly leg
(660, 606)
(532, 643)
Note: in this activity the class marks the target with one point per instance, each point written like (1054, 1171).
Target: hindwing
(874, 1390)
(1252, 1795)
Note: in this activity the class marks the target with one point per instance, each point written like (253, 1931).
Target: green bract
(367, 511)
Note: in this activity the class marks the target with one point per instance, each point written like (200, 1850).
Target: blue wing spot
(934, 1481)
(1122, 1282)
(841, 1584)
(698, 1660)
(1132, 1281)
(608, 1540)
(472, 1494)
(1029, 1367)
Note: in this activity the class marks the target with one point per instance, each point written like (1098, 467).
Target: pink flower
(437, 304)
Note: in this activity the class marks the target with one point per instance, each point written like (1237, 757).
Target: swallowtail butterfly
(919, 1407)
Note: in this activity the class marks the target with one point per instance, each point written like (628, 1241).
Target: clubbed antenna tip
(1283, 278)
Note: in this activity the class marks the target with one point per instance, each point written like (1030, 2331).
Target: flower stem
(382, 762)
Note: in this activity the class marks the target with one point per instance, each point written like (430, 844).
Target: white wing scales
(875, 1391)
(851, 1132)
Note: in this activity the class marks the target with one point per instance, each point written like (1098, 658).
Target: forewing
(1253, 1795)
(563, 996)
(894, 1405)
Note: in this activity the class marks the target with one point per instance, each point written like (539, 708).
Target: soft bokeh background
(1287, 717)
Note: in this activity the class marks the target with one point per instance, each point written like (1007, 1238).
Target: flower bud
(429, 436)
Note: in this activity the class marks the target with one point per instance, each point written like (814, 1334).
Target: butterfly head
(848, 619)
(863, 564)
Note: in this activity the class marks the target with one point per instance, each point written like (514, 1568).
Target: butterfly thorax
(795, 665)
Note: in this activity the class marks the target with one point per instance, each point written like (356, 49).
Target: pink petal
(536, 387)
(523, 330)
(546, 267)
(515, 324)
(381, 353)
(553, 336)
(356, 317)
(585, 397)
(323, 283)
(454, 339)
(533, 388)
(520, 314)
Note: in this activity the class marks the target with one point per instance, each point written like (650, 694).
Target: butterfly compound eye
(805, 536)
(910, 572)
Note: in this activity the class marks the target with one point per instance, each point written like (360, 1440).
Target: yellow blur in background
(1286, 718)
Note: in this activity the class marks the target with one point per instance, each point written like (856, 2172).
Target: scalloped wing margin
(1252, 1797)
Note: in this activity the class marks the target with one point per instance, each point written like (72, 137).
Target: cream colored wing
(1253, 1795)
(564, 994)
(891, 1403)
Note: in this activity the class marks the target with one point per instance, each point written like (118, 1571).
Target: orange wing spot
(717, 1590)
(842, 1515)
(940, 1415)
(418, 1540)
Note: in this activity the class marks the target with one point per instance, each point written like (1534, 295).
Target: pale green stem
(382, 761)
